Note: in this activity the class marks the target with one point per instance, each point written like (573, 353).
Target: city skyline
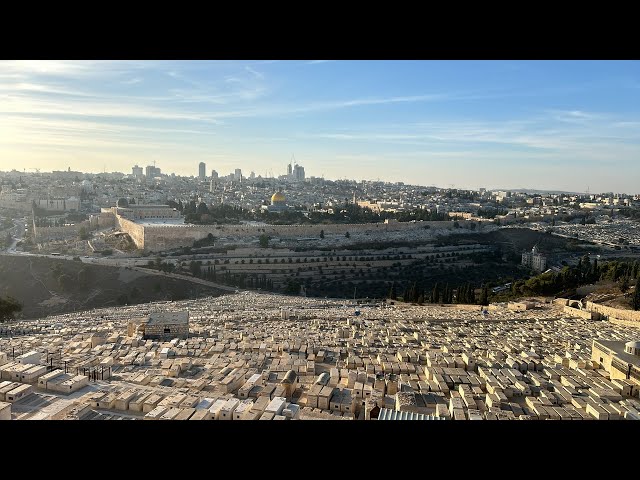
(555, 125)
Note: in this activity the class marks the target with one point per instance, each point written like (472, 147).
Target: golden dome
(278, 197)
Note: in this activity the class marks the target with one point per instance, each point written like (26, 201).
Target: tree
(83, 234)
(347, 235)
(321, 233)
(624, 284)
(293, 287)
(435, 294)
(202, 209)
(8, 307)
(635, 302)
(484, 296)
(264, 240)
(194, 267)
(392, 292)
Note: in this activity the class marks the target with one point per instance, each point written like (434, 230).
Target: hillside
(518, 240)
(49, 286)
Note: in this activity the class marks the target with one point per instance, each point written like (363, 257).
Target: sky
(557, 125)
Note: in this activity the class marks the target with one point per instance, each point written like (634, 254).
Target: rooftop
(618, 349)
(166, 318)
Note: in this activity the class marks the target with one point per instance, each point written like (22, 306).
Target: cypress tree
(484, 296)
(435, 294)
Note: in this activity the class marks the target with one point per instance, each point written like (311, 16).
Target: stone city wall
(135, 231)
(44, 234)
(163, 237)
(22, 206)
(103, 220)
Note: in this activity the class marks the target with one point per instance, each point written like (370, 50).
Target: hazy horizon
(545, 125)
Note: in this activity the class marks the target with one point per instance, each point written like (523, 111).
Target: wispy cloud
(315, 62)
(254, 72)
(132, 81)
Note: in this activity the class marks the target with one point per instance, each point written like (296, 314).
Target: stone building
(534, 260)
(620, 359)
(162, 325)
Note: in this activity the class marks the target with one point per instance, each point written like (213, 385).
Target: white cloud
(254, 72)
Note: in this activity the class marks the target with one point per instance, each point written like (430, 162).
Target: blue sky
(564, 125)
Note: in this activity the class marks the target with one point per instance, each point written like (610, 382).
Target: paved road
(219, 286)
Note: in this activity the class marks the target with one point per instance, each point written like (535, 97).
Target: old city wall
(103, 220)
(135, 231)
(43, 234)
(615, 313)
(22, 206)
(162, 237)
(314, 230)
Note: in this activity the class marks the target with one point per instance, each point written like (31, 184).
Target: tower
(202, 171)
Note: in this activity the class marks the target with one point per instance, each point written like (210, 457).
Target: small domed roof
(290, 377)
(278, 197)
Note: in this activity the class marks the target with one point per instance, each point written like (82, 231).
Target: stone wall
(44, 234)
(314, 230)
(615, 313)
(135, 231)
(174, 331)
(561, 301)
(103, 220)
(579, 313)
(22, 206)
(165, 237)
(162, 237)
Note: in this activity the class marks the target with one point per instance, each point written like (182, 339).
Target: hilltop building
(534, 260)
(278, 203)
(144, 212)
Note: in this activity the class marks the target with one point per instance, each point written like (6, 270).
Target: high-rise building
(152, 171)
(289, 169)
(202, 171)
(214, 174)
(137, 171)
(298, 173)
(237, 175)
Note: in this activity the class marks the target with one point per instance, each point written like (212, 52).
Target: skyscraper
(298, 173)
(202, 171)
(152, 171)
(137, 171)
